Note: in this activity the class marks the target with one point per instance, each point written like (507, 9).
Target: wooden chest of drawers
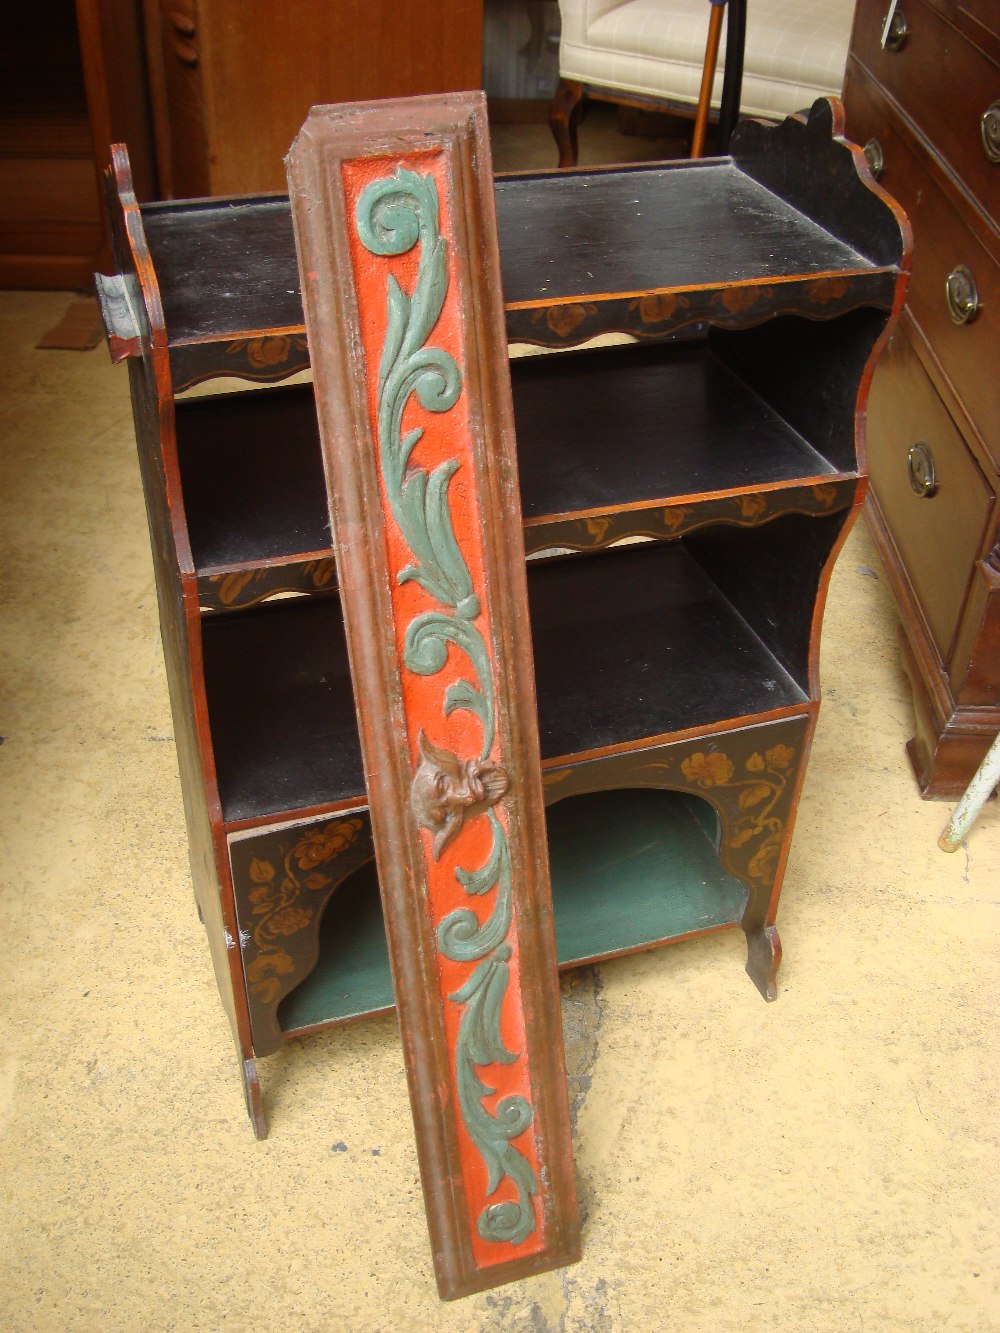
(922, 93)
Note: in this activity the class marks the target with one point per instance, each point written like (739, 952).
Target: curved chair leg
(564, 117)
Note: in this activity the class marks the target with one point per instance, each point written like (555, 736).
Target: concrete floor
(824, 1163)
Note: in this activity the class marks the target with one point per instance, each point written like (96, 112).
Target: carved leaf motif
(325, 843)
(480, 1043)
(755, 764)
(707, 770)
(779, 756)
(461, 935)
(425, 653)
(658, 306)
(289, 920)
(566, 319)
(738, 299)
(753, 795)
(752, 506)
(261, 872)
(393, 215)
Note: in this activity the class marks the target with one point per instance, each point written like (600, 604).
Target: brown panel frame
(447, 136)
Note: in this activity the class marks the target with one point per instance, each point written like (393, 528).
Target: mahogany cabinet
(231, 82)
(72, 80)
(683, 496)
(922, 93)
(50, 205)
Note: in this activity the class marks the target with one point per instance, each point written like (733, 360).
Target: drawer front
(947, 258)
(941, 533)
(943, 83)
(980, 19)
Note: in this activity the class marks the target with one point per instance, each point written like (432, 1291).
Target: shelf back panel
(632, 643)
(252, 477)
(598, 429)
(638, 642)
(600, 433)
(281, 708)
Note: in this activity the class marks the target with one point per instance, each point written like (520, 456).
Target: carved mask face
(446, 790)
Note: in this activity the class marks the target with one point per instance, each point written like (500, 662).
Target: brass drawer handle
(896, 29)
(989, 128)
(920, 465)
(962, 295)
(875, 158)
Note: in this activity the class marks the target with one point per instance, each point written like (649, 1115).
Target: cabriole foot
(763, 960)
(253, 1098)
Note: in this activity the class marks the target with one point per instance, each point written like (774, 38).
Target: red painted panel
(447, 435)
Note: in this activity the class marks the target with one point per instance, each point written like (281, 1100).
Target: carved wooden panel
(394, 215)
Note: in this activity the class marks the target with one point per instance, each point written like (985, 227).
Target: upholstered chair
(650, 53)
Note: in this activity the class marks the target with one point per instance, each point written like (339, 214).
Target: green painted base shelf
(629, 869)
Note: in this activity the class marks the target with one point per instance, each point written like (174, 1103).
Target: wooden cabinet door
(233, 82)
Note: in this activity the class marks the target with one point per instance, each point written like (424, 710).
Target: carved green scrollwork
(460, 936)
(480, 1043)
(394, 215)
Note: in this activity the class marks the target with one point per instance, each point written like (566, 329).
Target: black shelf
(246, 278)
(281, 708)
(596, 430)
(252, 477)
(630, 869)
(568, 236)
(629, 644)
(639, 642)
(601, 429)
(579, 234)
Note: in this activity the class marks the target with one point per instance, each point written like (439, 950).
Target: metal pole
(976, 794)
(732, 81)
(707, 77)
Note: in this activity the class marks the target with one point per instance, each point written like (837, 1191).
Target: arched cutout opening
(351, 977)
(634, 868)
(630, 869)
